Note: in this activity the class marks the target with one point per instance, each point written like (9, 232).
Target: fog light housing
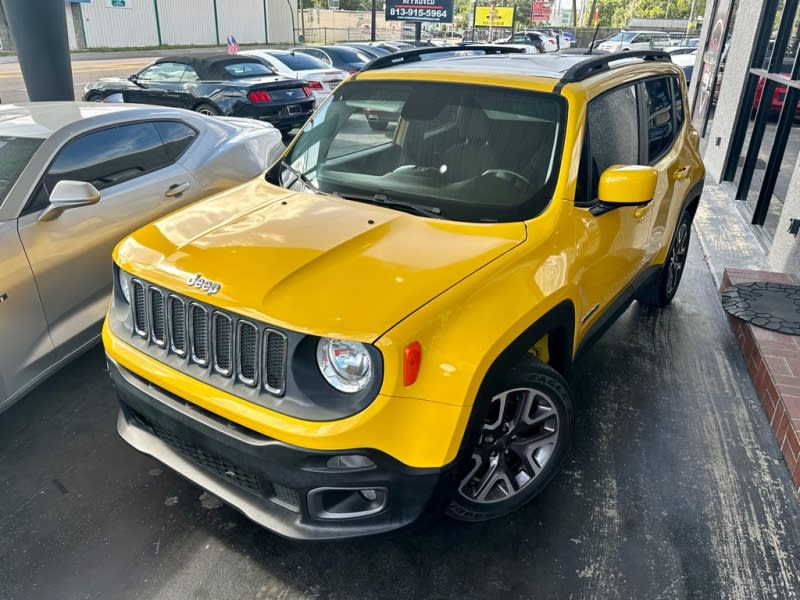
(346, 503)
(349, 461)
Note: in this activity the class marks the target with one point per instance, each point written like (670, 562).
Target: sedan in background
(345, 58)
(320, 78)
(532, 41)
(214, 84)
(368, 49)
(75, 178)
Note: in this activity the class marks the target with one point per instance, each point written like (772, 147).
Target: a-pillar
(39, 31)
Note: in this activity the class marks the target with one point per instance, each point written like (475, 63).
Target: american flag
(233, 45)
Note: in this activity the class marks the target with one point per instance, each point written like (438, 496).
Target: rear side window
(177, 137)
(660, 118)
(613, 137)
(110, 156)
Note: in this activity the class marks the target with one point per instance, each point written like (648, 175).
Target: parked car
(319, 77)
(385, 326)
(626, 41)
(371, 51)
(555, 36)
(533, 40)
(347, 59)
(214, 84)
(685, 60)
(75, 178)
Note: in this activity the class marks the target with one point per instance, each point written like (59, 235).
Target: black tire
(94, 97)
(503, 453)
(378, 124)
(205, 108)
(663, 288)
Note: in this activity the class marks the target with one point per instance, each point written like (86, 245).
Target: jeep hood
(312, 263)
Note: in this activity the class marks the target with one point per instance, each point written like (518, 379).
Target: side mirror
(69, 194)
(627, 185)
(133, 78)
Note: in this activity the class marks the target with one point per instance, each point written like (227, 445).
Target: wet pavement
(674, 488)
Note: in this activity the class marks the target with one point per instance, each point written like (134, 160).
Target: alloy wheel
(677, 257)
(517, 440)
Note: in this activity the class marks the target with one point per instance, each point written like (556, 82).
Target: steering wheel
(506, 175)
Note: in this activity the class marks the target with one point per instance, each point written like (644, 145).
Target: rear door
(668, 151)
(134, 167)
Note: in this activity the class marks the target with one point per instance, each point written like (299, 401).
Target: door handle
(176, 189)
(682, 173)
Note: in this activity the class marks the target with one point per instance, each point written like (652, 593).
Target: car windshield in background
(247, 69)
(14, 155)
(622, 37)
(478, 154)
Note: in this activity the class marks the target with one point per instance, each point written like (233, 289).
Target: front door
(25, 346)
(71, 255)
(611, 246)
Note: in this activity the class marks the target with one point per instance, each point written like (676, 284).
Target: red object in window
(259, 96)
(315, 85)
(412, 357)
(351, 71)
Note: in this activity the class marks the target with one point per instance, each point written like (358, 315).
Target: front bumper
(289, 490)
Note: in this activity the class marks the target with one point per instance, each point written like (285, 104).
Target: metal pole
(372, 26)
(691, 17)
(291, 14)
(39, 31)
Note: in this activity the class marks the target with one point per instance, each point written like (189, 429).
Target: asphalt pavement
(674, 488)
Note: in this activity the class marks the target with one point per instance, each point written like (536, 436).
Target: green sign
(118, 3)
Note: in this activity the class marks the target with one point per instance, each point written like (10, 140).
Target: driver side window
(163, 73)
(612, 138)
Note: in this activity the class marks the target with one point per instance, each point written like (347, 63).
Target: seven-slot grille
(233, 346)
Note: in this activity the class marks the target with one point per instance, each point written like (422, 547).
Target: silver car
(75, 178)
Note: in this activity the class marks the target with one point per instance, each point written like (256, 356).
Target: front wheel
(663, 288)
(521, 443)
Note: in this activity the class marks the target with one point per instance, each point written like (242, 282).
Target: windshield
(478, 154)
(14, 155)
(622, 37)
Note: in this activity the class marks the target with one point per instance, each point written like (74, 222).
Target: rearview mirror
(627, 185)
(69, 194)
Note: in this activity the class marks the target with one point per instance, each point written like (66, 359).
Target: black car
(369, 50)
(345, 58)
(214, 84)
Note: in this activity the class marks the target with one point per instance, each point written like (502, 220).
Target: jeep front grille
(239, 349)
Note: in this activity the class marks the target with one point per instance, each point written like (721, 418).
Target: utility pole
(372, 24)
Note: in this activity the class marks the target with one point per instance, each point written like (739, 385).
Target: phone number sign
(435, 11)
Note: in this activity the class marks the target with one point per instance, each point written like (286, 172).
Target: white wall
(188, 22)
(280, 21)
(244, 19)
(119, 27)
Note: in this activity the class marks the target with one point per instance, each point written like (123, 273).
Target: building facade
(744, 98)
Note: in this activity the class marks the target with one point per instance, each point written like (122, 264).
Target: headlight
(124, 284)
(345, 365)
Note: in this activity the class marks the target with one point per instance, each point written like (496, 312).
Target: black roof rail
(598, 63)
(416, 54)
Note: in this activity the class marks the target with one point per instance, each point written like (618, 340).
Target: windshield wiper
(426, 211)
(299, 175)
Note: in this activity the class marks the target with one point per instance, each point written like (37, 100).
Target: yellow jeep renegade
(384, 325)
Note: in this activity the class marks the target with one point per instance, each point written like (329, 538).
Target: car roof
(209, 66)
(41, 119)
(561, 68)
